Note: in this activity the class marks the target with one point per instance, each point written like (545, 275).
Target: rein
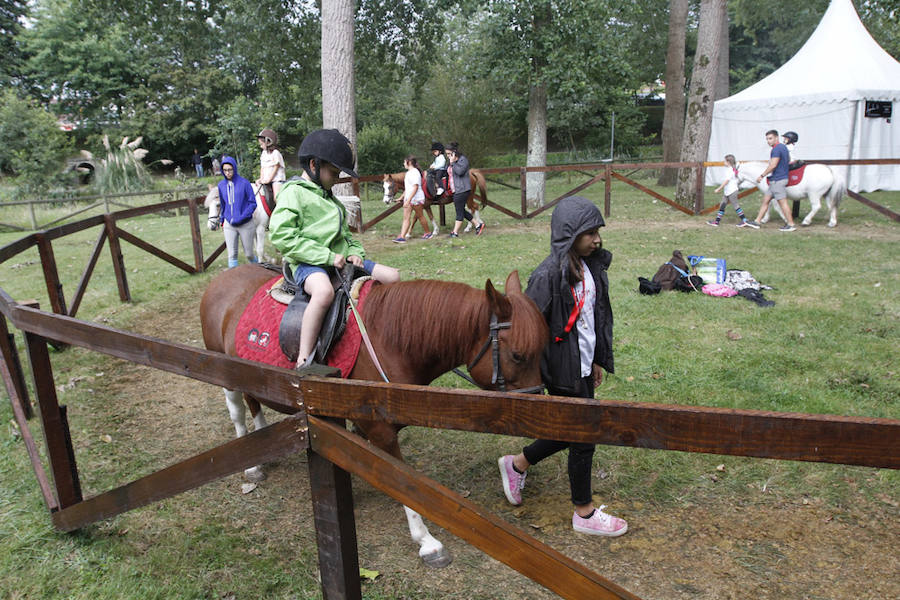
(493, 342)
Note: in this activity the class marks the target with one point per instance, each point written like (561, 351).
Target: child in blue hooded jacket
(236, 215)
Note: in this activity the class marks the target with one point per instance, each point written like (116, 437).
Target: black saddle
(335, 319)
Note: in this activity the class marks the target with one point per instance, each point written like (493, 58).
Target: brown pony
(393, 183)
(455, 322)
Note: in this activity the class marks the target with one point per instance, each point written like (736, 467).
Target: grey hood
(573, 216)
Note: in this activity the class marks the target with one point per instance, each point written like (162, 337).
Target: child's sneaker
(713, 223)
(788, 228)
(427, 236)
(399, 240)
(743, 223)
(453, 234)
(599, 523)
(752, 224)
(513, 481)
(440, 191)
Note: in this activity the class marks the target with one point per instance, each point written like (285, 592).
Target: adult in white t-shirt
(413, 200)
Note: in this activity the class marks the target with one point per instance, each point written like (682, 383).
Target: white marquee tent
(831, 93)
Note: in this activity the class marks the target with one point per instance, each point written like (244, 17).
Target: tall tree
(673, 117)
(568, 58)
(11, 14)
(338, 87)
(698, 120)
(722, 76)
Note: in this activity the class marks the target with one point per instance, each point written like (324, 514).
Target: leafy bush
(380, 150)
(32, 146)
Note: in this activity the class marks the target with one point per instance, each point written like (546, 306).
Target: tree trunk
(537, 144)
(338, 84)
(722, 77)
(673, 117)
(698, 121)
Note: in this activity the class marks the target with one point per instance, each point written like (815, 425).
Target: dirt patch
(704, 548)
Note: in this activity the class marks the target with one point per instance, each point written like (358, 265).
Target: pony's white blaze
(260, 219)
(818, 181)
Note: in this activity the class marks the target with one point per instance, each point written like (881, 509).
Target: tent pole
(850, 151)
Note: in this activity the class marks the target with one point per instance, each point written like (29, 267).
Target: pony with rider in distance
(393, 183)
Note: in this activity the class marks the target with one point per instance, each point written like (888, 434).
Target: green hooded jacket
(309, 225)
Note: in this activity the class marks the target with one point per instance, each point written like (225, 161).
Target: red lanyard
(579, 304)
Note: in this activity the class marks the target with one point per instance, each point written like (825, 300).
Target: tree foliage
(32, 146)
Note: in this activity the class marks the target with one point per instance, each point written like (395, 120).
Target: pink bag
(719, 290)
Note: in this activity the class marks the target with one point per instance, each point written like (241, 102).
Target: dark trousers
(459, 203)
(581, 455)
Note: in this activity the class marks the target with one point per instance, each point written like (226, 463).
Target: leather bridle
(493, 342)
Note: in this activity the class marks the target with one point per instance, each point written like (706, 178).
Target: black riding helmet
(791, 136)
(437, 146)
(326, 145)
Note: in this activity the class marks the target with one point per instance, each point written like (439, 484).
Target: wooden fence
(313, 402)
(96, 201)
(607, 172)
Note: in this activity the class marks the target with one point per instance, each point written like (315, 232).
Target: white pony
(818, 180)
(260, 219)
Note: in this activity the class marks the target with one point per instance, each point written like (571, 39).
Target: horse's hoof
(438, 560)
(254, 474)
(832, 224)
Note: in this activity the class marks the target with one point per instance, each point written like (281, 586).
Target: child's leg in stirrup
(318, 286)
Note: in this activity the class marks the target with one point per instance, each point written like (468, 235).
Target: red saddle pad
(256, 336)
(796, 176)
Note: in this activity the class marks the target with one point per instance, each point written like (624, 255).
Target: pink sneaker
(600, 523)
(513, 482)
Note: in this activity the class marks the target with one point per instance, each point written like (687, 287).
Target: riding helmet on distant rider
(437, 146)
(268, 136)
(791, 136)
(326, 145)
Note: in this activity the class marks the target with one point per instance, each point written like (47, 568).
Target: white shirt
(731, 182)
(587, 336)
(273, 159)
(411, 179)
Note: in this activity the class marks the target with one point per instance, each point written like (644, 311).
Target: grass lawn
(828, 345)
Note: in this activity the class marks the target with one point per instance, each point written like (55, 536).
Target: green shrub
(380, 150)
(32, 146)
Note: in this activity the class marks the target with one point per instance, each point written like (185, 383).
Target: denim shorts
(303, 270)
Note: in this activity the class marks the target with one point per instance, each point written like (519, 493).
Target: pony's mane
(438, 320)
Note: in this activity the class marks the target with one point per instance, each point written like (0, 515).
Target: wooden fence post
(31, 214)
(523, 177)
(332, 498)
(118, 261)
(51, 275)
(196, 241)
(55, 423)
(11, 370)
(607, 192)
(699, 188)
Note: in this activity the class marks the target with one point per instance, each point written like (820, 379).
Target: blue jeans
(199, 168)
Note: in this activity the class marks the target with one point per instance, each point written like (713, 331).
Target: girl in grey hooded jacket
(571, 289)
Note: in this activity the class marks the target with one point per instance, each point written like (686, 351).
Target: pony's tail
(836, 191)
